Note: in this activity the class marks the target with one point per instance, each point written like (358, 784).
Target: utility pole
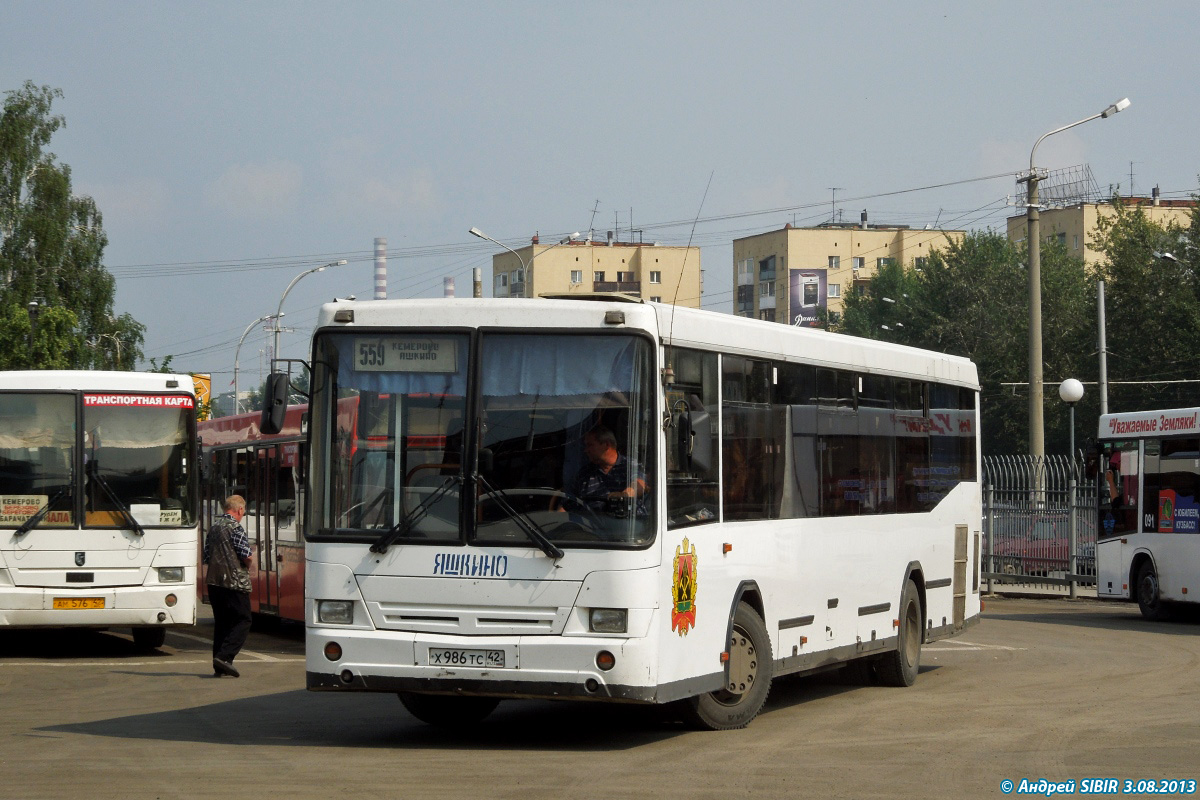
(1103, 350)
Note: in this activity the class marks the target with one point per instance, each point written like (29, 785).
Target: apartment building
(788, 275)
(653, 272)
(1075, 225)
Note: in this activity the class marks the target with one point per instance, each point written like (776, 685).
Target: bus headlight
(336, 612)
(170, 574)
(608, 620)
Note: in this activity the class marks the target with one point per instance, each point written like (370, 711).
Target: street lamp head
(477, 232)
(1164, 256)
(1120, 105)
(1071, 391)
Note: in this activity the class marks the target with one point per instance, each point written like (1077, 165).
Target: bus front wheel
(1149, 595)
(448, 711)
(749, 678)
(899, 667)
(149, 638)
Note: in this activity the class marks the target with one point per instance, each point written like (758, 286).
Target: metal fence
(1039, 522)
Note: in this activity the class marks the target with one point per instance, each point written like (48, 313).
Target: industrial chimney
(380, 268)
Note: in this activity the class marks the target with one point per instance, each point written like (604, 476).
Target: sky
(231, 146)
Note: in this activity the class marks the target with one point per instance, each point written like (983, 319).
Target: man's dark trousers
(231, 618)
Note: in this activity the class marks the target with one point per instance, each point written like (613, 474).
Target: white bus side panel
(834, 589)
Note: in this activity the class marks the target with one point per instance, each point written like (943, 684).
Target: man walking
(227, 554)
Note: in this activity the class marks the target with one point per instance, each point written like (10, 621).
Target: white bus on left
(98, 523)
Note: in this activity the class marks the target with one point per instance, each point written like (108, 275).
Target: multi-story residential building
(650, 271)
(789, 274)
(1075, 225)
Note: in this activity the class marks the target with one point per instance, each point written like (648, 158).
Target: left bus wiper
(94, 472)
(527, 525)
(37, 518)
(413, 517)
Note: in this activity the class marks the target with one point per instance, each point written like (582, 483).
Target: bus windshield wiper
(94, 472)
(524, 522)
(412, 517)
(37, 518)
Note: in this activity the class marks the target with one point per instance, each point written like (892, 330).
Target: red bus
(269, 472)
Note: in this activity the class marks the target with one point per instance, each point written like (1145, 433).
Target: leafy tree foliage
(51, 248)
(1152, 308)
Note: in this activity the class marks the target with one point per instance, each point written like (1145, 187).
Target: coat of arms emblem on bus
(683, 589)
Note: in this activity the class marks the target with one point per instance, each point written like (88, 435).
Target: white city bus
(98, 523)
(804, 500)
(1148, 530)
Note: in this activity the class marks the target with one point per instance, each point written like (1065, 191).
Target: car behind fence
(1039, 522)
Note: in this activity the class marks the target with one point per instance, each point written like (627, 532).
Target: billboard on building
(808, 289)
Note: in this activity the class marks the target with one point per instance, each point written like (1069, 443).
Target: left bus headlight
(608, 620)
(170, 574)
(336, 612)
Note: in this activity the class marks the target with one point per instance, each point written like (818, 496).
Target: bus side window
(692, 487)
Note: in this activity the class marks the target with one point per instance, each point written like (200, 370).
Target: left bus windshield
(135, 453)
(37, 458)
(559, 448)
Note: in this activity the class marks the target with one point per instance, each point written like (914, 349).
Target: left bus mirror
(274, 403)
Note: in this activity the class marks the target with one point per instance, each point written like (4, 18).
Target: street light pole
(279, 311)
(526, 268)
(34, 309)
(237, 398)
(1071, 392)
(1037, 430)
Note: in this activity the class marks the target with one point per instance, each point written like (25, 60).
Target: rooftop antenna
(833, 202)
(592, 224)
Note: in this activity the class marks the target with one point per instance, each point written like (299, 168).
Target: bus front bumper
(534, 666)
(36, 607)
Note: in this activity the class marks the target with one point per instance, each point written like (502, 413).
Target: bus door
(289, 544)
(267, 583)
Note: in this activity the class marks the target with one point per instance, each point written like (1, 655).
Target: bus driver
(604, 484)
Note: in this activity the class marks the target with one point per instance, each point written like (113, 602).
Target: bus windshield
(135, 453)
(135, 460)
(37, 458)
(549, 439)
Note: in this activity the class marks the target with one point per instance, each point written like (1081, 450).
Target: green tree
(1152, 307)
(51, 250)
(972, 299)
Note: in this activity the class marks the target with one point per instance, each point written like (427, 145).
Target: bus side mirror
(694, 439)
(274, 403)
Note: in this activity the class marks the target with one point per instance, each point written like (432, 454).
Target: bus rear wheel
(899, 667)
(448, 711)
(749, 678)
(1149, 595)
